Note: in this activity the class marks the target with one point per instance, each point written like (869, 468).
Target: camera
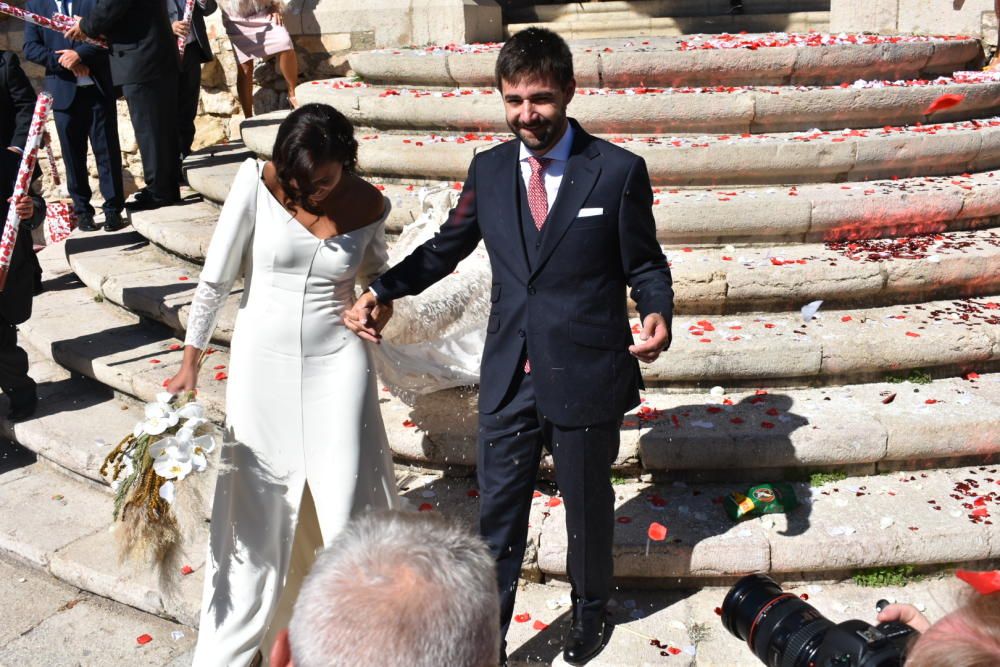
(784, 631)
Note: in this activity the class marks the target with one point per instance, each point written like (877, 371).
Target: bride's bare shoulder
(369, 200)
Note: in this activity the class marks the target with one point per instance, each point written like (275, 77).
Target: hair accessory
(984, 582)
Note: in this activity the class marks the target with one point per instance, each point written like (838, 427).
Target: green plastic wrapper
(777, 498)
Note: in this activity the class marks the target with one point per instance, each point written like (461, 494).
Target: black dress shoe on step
(86, 223)
(113, 222)
(585, 640)
(145, 201)
(22, 405)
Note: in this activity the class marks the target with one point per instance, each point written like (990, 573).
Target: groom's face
(536, 111)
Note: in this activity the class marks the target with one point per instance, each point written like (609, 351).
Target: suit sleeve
(438, 256)
(22, 98)
(643, 261)
(104, 16)
(35, 49)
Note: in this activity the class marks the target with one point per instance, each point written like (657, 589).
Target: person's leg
(583, 458)
(107, 154)
(153, 109)
(71, 126)
(507, 465)
(244, 86)
(289, 66)
(14, 380)
(188, 92)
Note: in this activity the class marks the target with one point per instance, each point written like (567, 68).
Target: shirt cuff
(374, 293)
(19, 151)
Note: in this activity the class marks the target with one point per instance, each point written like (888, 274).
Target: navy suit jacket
(570, 309)
(41, 44)
(143, 47)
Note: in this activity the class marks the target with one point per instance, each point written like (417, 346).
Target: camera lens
(781, 629)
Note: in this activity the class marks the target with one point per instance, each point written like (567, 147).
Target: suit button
(520, 332)
(531, 289)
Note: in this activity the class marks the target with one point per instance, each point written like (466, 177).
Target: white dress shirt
(553, 174)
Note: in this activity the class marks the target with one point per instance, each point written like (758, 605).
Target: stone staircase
(582, 20)
(781, 181)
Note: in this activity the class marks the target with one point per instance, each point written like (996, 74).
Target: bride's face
(325, 178)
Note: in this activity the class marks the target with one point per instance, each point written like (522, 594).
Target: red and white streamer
(59, 22)
(188, 13)
(28, 160)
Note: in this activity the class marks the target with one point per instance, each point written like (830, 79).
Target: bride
(301, 400)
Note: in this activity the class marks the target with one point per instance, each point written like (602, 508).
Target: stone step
(790, 158)
(143, 279)
(699, 60)
(643, 110)
(48, 622)
(747, 215)
(642, 26)
(112, 346)
(657, 8)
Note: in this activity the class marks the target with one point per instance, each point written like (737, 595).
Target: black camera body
(784, 631)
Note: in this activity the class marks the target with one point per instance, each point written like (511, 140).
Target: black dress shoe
(113, 222)
(145, 201)
(585, 640)
(22, 405)
(86, 223)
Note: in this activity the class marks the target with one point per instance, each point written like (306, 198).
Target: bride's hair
(311, 135)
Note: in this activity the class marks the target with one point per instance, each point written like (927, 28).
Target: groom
(567, 222)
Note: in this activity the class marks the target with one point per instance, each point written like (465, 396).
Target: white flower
(174, 462)
(159, 417)
(167, 492)
(200, 448)
(164, 397)
(191, 410)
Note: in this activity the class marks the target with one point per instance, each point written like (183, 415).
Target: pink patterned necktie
(538, 199)
(538, 202)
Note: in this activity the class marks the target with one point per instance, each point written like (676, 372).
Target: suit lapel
(507, 198)
(577, 182)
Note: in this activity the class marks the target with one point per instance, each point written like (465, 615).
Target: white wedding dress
(301, 406)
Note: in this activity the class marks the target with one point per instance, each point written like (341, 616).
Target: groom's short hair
(534, 53)
(399, 589)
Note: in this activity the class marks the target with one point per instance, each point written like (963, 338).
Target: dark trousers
(91, 115)
(153, 108)
(14, 378)
(188, 92)
(510, 448)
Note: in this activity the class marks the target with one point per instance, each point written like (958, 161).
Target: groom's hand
(655, 338)
(368, 317)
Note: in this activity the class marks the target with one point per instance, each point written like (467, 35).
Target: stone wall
(320, 55)
(942, 17)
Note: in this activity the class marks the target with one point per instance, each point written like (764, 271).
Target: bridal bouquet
(149, 471)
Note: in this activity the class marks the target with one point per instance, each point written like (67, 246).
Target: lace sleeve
(209, 298)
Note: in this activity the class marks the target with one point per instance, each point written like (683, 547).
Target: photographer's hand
(905, 613)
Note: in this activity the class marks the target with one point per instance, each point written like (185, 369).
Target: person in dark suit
(197, 52)
(79, 77)
(144, 62)
(567, 222)
(17, 102)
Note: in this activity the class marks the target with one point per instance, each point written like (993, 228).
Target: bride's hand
(185, 380)
(364, 318)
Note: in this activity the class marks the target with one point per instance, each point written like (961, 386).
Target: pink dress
(256, 36)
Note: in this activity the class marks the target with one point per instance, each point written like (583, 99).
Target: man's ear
(570, 91)
(281, 651)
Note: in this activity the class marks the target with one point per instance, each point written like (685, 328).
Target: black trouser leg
(14, 378)
(188, 92)
(508, 456)
(583, 458)
(107, 151)
(153, 108)
(72, 125)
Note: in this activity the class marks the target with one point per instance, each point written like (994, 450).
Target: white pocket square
(587, 212)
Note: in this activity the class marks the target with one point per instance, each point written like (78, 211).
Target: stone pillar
(975, 18)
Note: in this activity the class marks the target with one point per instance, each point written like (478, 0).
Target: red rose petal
(522, 618)
(538, 625)
(912, 334)
(220, 376)
(408, 423)
(657, 532)
(175, 346)
(182, 278)
(143, 639)
(154, 361)
(673, 650)
(946, 101)
(186, 570)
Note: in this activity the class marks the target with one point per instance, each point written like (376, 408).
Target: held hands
(180, 28)
(655, 338)
(70, 60)
(905, 613)
(368, 317)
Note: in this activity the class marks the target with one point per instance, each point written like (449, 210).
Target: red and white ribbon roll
(188, 13)
(23, 181)
(59, 22)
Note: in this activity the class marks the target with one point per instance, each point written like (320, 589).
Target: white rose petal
(167, 492)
